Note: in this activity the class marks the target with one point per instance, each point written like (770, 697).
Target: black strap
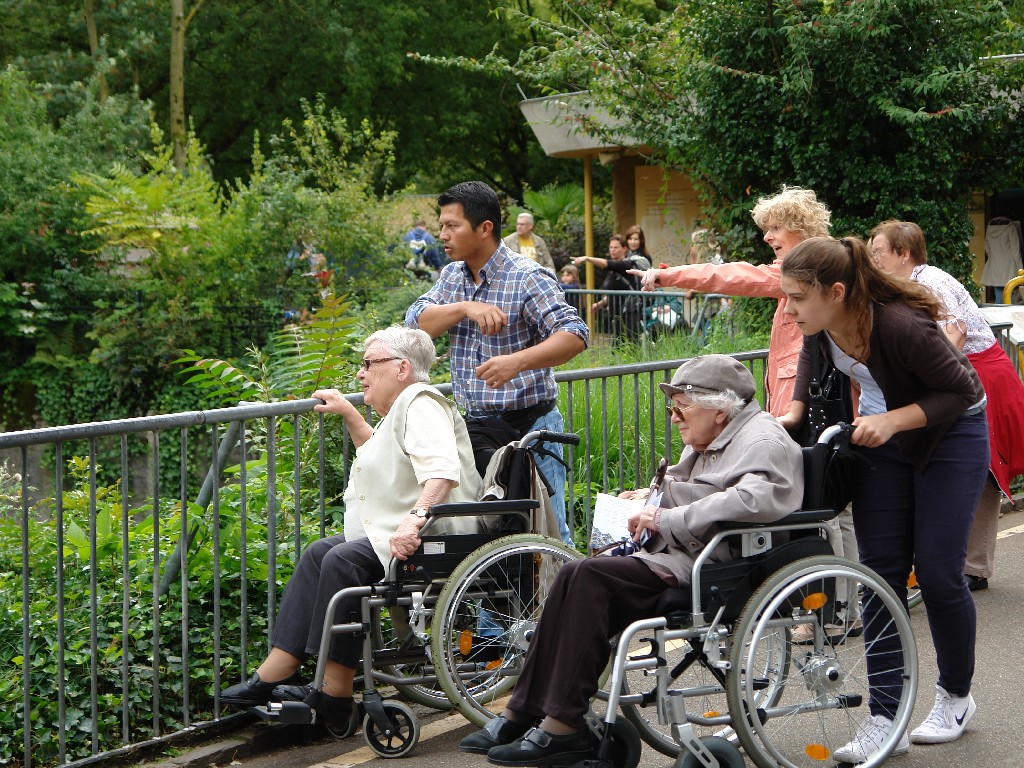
(815, 351)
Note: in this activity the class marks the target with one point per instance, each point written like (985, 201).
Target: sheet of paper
(611, 518)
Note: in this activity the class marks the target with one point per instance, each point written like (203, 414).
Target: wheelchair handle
(830, 433)
(544, 436)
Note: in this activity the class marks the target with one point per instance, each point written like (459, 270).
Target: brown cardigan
(912, 361)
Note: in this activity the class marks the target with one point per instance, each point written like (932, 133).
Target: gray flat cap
(711, 375)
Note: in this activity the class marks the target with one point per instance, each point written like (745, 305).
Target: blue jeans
(904, 518)
(554, 470)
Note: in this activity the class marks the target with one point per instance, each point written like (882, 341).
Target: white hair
(526, 215)
(728, 402)
(410, 344)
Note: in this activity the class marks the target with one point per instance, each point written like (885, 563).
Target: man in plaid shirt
(508, 321)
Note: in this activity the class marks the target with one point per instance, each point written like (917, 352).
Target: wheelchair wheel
(703, 690)
(724, 751)
(825, 692)
(626, 745)
(486, 614)
(400, 738)
(402, 654)
(692, 674)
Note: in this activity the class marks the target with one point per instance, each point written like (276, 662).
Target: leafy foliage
(299, 359)
(120, 602)
(881, 106)
(552, 202)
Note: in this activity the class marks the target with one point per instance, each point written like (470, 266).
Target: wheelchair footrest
(290, 712)
(594, 763)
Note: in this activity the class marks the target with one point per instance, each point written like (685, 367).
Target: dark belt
(523, 418)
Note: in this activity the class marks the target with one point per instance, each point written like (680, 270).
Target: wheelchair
(719, 669)
(452, 627)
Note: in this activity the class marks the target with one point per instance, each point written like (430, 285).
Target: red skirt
(1005, 412)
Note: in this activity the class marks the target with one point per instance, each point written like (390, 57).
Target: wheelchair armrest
(479, 508)
(795, 518)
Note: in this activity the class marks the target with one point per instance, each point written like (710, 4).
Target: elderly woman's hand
(334, 402)
(406, 537)
(646, 519)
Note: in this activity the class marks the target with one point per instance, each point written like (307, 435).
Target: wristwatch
(420, 511)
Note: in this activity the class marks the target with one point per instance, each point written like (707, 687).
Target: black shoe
(335, 712)
(976, 583)
(498, 731)
(540, 748)
(254, 692)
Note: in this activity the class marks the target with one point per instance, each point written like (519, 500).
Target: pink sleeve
(737, 278)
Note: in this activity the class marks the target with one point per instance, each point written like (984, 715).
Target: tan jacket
(543, 518)
(543, 254)
(752, 472)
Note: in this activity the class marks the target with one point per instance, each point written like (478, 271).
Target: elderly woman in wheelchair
(738, 465)
(417, 456)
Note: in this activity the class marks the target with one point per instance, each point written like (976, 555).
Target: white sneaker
(868, 740)
(947, 720)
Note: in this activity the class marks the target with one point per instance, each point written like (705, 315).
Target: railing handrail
(47, 435)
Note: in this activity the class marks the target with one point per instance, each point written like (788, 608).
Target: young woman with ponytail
(922, 425)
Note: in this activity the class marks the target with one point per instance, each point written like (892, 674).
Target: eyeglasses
(675, 410)
(366, 364)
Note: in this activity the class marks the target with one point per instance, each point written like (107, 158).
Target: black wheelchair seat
(734, 582)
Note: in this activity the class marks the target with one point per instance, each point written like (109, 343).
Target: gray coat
(752, 472)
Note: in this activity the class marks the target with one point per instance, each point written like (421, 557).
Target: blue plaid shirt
(536, 308)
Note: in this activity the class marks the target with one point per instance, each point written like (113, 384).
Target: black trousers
(591, 601)
(327, 565)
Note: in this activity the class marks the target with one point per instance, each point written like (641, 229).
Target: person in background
(636, 244)
(417, 456)
(704, 248)
(509, 325)
(738, 464)
(921, 423)
(424, 256)
(570, 280)
(625, 312)
(524, 242)
(898, 248)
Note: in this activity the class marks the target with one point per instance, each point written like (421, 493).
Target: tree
(250, 63)
(179, 27)
(881, 106)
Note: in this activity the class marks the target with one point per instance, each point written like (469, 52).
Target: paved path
(996, 736)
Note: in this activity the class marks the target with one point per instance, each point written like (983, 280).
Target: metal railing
(196, 580)
(642, 316)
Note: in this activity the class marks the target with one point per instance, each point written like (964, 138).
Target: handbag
(829, 390)
(830, 404)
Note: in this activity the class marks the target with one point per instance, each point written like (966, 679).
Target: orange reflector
(814, 601)
(712, 713)
(817, 751)
(465, 642)
(912, 581)
(494, 664)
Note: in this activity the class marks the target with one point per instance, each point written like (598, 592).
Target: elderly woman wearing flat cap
(739, 464)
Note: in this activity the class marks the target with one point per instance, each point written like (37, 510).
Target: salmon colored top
(738, 278)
